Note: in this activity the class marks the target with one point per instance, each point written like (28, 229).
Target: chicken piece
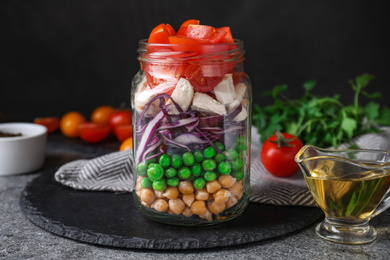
(182, 95)
(242, 115)
(142, 96)
(207, 104)
(224, 91)
(240, 90)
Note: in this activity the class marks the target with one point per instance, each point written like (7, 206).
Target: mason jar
(192, 127)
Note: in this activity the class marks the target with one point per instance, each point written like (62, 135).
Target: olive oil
(347, 193)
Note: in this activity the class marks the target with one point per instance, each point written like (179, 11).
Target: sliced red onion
(150, 149)
(148, 134)
(171, 142)
(188, 138)
(179, 123)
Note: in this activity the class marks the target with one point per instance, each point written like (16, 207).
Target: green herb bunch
(321, 121)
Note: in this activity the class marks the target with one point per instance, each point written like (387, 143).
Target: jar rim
(236, 41)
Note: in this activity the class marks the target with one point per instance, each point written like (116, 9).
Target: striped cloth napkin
(113, 172)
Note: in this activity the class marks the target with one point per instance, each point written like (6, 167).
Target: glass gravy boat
(351, 186)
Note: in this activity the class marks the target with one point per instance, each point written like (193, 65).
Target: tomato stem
(282, 141)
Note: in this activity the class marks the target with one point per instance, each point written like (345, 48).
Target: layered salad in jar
(191, 105)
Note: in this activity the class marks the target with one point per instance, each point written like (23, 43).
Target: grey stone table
(20, 239)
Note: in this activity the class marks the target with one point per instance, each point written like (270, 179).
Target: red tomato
(93, 132)
(183, 28)
(203, 80)
(185, 43)
(205, 33)
(159, 34)
(228, 37)
(120, 117)
(279, 161)
(123, 132)
(51, 123)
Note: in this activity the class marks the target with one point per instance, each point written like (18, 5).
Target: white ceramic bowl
(25, 153)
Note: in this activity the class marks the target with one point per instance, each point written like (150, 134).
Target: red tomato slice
(51, 123)
(183, 28)
(93, 133)
(170, 29)
(162, 78)
(201, 80)
(159, 34)
(123, 132)
(228, 36)
(183, 43)
(205, 33)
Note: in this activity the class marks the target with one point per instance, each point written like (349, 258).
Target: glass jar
(192, 127)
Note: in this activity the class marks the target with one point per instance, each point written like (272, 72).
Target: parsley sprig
(321, 121)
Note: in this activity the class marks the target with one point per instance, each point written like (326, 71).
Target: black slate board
(109, 219)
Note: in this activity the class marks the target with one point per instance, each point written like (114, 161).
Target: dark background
(58, 56)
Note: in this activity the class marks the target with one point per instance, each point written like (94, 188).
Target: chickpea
(187, 212)
(147, 196)
(198, 207)
(216, 208)
(138, 192)
(159, 194)
(201, 194)
(207, 215)
(138, 184)
(189, 199)
(231, 201)
(145, 204)
(226, 181)
(237, 190)
(213, 186)
(176, 206)
(171, 193)
(221, 196)
(185, 187)
(160, 205)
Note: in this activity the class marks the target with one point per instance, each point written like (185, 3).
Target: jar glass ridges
(192, 117)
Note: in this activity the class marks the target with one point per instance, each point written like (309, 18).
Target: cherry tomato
(205, 33)
(69, 124)
(123, 132)
(183, 28)
(101, 115)
(127, 144)
(279, 159)
(93, 132)
(51, 123)
(120, 117)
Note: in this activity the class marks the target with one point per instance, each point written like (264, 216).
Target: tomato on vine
(278, 152)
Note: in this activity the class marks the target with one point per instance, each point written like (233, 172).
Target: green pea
(225, 168)
(165, 160)
(177, 162)
(188, 158)
(220, 146)
(142, 167)
(220, 157)
(173, 181)
(237, 164)
(241, 147)
(146, 183)
(239, 175)
(184, 173)
(198, 156)
(151, 165)
(209, 152)
(209, 165)
(155, 173)
(231, 154)
(170, 172)
(160, 185)
(196, 169)
(210, 176)
(199, 183)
